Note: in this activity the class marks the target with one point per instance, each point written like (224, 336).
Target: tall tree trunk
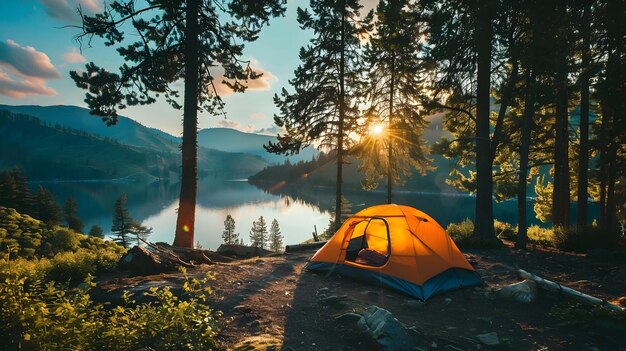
(529, 112)
(602, 171)
(188, 189)
(342, 116)
(483, 227)
(390, 130)
(583, 153)
(560, 195)
(611, 206)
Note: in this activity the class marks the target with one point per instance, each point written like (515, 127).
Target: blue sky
(36, 56)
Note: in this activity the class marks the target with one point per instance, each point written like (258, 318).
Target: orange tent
(397, 246)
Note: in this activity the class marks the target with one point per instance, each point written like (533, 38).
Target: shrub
(52, 316)
(579, 239)
(61, 240)
(505, 230)
(541, 236)
(462, 232)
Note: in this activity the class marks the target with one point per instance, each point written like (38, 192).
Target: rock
(141, 261)
(523, 292)
(348, 318)
(489, 339)
(242, 251)
(385, 330)
(448, 300)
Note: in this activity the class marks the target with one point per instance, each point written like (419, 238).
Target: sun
(377, 129)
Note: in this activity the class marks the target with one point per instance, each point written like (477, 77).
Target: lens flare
(377, 129)
(186, 228)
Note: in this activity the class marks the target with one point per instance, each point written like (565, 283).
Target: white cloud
(24, 71)
(73, 56)
(273, 130)
(67, 10)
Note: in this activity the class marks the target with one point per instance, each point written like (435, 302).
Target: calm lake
(297, 210)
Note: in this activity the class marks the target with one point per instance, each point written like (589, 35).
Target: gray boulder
(523, 292)
(386, 330)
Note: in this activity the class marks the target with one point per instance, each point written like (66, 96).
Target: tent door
(370, 243)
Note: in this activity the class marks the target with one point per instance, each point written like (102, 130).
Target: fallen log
(558, 288)
(303, 247)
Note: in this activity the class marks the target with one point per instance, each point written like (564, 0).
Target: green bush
(579, 239)
(52, 316)
(461, 233)
(540, 235)
(505, 231)
(61, 240)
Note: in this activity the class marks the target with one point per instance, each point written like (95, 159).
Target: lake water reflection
(297, 210)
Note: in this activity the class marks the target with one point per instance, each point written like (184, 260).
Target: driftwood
(302, 247)
(558, 288)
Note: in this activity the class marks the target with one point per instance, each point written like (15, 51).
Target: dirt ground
(271, 303)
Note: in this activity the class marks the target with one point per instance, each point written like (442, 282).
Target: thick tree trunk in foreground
(187, 203)
(483, 219)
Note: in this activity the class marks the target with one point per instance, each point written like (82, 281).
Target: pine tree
(229, 235)
(123, 223)
(188, 40)
(322, 109)
(276, 238)
(46, 208)
(140, 232)
(96, 231)
(71, 216)
(394, 59)
(258, 233)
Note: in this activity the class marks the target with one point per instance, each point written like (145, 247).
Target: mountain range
(66, 142)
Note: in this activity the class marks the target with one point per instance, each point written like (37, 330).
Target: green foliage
(275, 238)
(50, 316)
(53, 253)
(543, 202)
(540, 235)
(46, 207)
(462, 235)
(505, 230)
(96, 231)
(229, 235)
(70, 210)
(258, 233)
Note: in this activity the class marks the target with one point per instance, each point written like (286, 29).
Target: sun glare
(377, 129)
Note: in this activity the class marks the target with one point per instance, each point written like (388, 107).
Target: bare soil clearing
(272, 303)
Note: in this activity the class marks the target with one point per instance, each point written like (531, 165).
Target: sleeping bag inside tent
(399, 247)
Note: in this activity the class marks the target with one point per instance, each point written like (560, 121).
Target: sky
(37, 54)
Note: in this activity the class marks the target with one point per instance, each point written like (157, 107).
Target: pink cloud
(24, 71)
(24, 87)
(27, 61)
(73, 56)
(263, 83)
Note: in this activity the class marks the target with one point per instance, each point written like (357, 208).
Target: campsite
(272, 303)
